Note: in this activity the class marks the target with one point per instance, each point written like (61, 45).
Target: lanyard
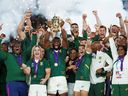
(121, 65)
(19, 60)
(122, 60)
(56, 56)
(79, 60)
(35, 66)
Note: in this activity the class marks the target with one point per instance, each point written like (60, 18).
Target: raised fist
(84, 16)
(68, 20)
(96, 27)
(2, 35)
(118, 15)
(94, 12)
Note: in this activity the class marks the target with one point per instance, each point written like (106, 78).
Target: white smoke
(12, 11)
(11, 14)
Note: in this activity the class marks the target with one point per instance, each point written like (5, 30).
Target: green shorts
(119, 90)
(97, 89)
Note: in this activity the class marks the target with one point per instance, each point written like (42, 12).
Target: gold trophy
(55, 24)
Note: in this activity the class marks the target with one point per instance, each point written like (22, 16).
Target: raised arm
(26, 19)
(85, 25)
(46, 42)
(69, 21)
(113, 48)
(98, 21)
(86, 28)
(88, 47)
(20, 29)
(126, 26)
(122, 27)
(64, 38)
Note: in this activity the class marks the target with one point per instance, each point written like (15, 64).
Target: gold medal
(35, 76)
(55, 64)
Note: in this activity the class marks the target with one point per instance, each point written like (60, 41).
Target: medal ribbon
(35, 66)
(56, 56)
(19, 60)
(121, 59)
(79, 60)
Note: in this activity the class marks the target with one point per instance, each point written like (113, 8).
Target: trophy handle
(49, 23)
(61, 23)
